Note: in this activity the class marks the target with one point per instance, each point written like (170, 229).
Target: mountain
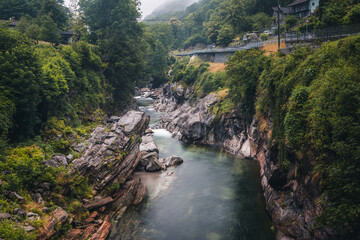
(170, 7)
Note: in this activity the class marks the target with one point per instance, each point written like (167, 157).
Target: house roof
(285, 10)
(297, 2)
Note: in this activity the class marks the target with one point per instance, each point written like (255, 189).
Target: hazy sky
(147, 6)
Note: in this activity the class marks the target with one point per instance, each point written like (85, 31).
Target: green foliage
(314, 99)
(194, 39)
(264, 37)
(290, 21)
(295, 120)
(72, 186)
(48, 30)
(19, 81)
(336, 12)
(217, 21)
(29, 27)
(353, 16)
(24, 167)
(9, 230)
(160, 39)
(260, 21)
(225, 35)
(74, 206)
(115, 28)
(209, 82)
(243, 71)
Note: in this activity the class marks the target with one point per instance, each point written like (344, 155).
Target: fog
(147, 6)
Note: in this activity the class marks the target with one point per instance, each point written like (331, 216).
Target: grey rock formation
(288, 193)
(197, 124)
(150, 157)
(59, 216)
(29, 228)
(58, 160)
(150, 162)
(37, 198)
(112, 152)
(14, 196)
(21, 213)
(148, 144)
(32, 216)
(172, 161)
(4, 216)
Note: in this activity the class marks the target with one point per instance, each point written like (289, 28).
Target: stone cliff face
(109, 156)
(288, 193)
(112, 152)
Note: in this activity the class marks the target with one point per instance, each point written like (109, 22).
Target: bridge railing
(323, 34)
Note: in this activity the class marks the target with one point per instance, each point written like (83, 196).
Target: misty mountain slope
(170, 7)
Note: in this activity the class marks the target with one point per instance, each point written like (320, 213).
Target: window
(313, 3)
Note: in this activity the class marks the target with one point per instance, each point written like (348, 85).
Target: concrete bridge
(288, 41)
(220, 55)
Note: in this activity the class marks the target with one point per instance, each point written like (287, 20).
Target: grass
(215, 67)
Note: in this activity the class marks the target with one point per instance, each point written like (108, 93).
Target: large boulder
(112, 153)
(58, 217)
(14, 196)
(150, 157)
(98, 203)
(150, 162)
(172, 161)
(132, 193)
(148, 144)
(58, 160)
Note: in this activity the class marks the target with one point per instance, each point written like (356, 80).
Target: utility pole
(278, 20)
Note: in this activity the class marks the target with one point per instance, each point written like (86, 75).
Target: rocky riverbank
(108, 159)
(289, 196)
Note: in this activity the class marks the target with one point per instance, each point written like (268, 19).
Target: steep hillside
(297, 114)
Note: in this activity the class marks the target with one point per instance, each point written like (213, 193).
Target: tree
(19, 83)
(225, 36)
(116, 29)
(243, 71)
(260, 21)
(48, 30)
(29, 27)
(19, 8)
(55, 10)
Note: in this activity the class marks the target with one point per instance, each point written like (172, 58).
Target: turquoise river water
(212, 195)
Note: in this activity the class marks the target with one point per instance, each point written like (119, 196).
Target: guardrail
(323, 34)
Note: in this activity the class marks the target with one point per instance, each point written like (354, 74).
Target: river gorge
(212, 195)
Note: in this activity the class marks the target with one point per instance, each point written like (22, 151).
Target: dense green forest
(52, 95)
(220, 21)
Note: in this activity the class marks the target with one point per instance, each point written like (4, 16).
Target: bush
(10, 230)
(243, 71)
(23, 167)
(264, 37)
(225, 36)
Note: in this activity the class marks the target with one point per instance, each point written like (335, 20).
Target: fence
(323, 34)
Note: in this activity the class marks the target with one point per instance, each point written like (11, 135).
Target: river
(212, 195)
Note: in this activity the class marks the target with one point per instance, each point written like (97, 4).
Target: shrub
(10, 230)
(264, 37)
